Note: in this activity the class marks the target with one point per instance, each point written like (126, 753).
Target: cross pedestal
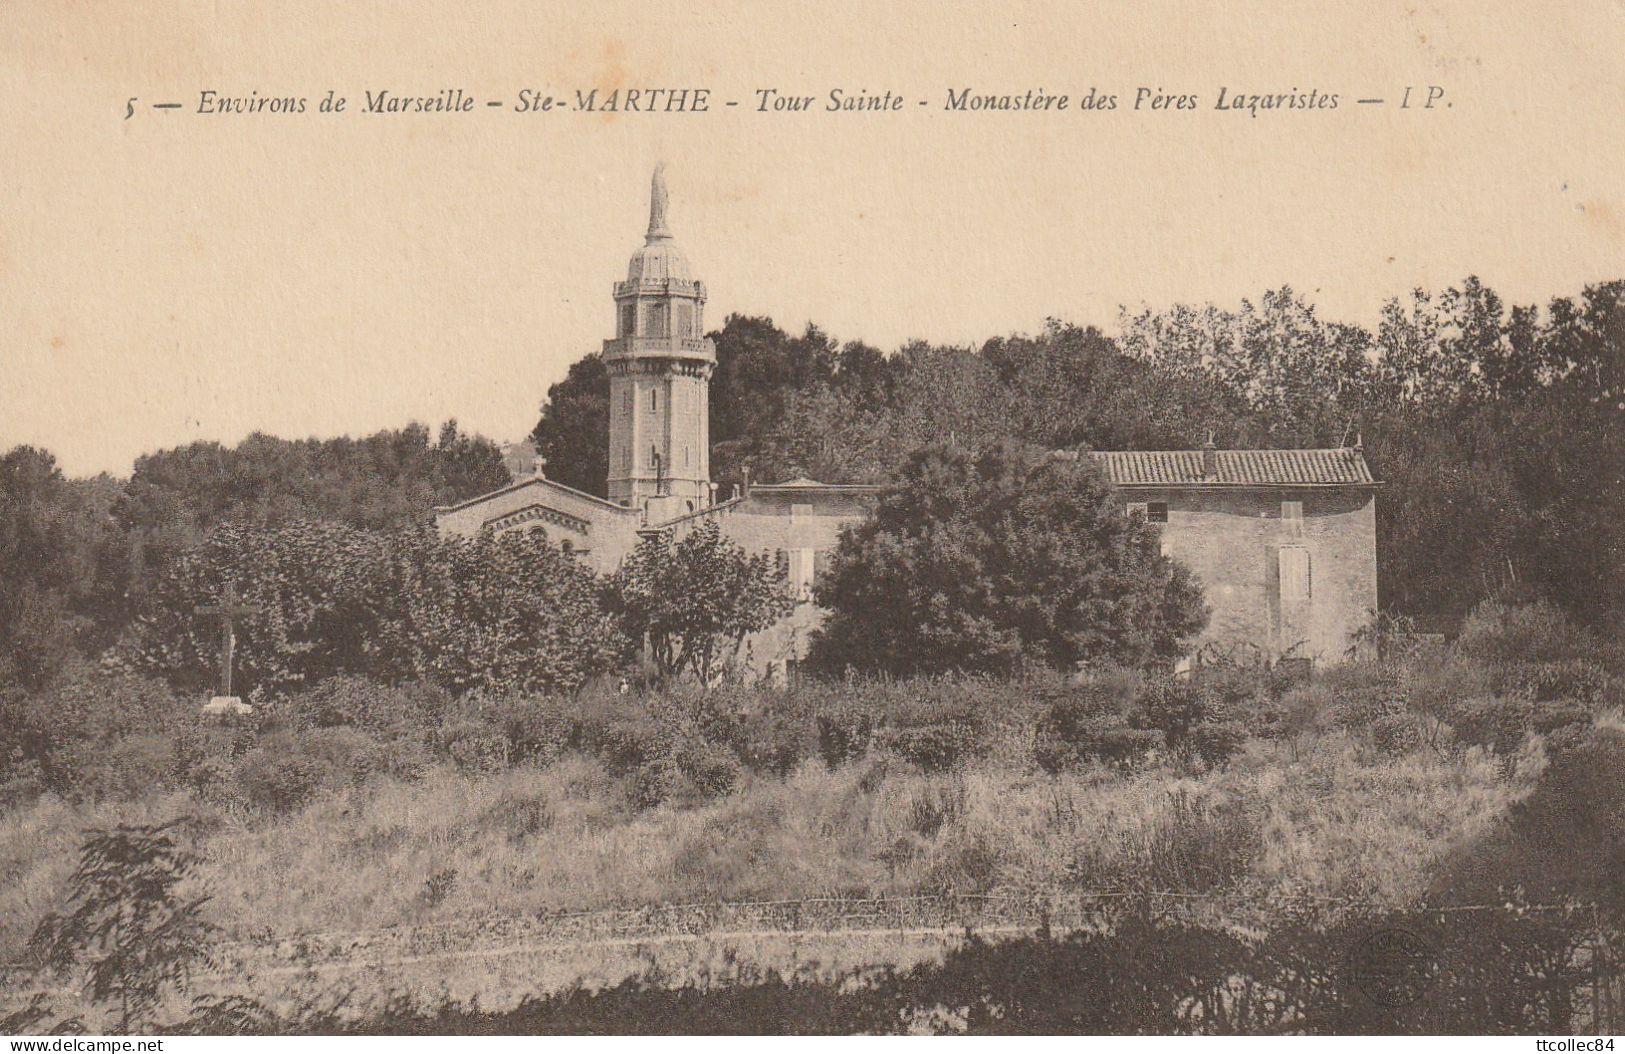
(228, 609)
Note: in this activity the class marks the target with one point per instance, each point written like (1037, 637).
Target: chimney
(1210, 459)
(1359, 443)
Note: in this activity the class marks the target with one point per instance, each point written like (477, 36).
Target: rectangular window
(629, 319)
(1292, 516)
(685, 319)
(626, 400)
(1156, 512)
(1296, 584)
(1135, 507)
(802, 569)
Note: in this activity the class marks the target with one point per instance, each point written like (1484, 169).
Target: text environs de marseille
(776, 100)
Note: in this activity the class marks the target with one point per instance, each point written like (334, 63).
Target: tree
(509, 613)
(695, 598)
(992, 560)
(573, 433)
(62, 566)
(130, 926)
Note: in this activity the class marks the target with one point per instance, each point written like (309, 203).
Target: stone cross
(228, 609)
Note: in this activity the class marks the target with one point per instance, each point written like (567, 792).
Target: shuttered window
(1296, 582)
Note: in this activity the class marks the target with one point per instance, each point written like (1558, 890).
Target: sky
(177, 276)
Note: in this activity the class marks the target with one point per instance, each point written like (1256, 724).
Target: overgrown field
(1452, 776)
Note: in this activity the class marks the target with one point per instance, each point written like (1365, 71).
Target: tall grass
(567, 836)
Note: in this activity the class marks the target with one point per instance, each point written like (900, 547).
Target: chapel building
(1283, 541)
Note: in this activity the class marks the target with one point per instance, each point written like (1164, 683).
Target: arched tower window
(658, 320)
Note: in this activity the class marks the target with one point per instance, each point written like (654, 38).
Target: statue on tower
(657, 204)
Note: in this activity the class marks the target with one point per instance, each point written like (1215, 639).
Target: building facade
(1283, 541)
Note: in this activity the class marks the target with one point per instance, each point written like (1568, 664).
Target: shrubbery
(509, 613)
(1120, 721)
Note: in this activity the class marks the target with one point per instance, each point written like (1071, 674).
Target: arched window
(657, 320)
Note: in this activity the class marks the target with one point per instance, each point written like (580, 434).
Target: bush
(1580, 681)
(1193, 844)
(1303, 713)
(938, 724)
(845, 730)
(279, 783)
(1195, 720)
(768, 729)
(537, 729)
(936, 747)
(1498, 632)
(1091, 722)
(392, 711)
(712, 770)
(93, 734)
(286, 770)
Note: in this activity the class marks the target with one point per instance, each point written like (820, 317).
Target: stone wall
(1233, 537)
(802, 524)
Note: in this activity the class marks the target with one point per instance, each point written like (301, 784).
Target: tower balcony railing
(660, 287)
(662, 347)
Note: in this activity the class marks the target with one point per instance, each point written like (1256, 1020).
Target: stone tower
(659, 365)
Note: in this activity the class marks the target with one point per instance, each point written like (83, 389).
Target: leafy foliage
(997, 559)
(572, 435)
(131, 927)
(695, 597)
(510, 613)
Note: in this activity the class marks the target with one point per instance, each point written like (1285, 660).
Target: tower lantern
(659, 366)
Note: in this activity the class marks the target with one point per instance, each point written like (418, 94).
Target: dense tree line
(1498, 431)
(81, 558)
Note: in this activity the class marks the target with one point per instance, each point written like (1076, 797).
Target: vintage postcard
(763, 519)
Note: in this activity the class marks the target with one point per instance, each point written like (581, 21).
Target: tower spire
(657, 204)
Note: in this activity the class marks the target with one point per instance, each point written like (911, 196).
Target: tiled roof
(1344, 466)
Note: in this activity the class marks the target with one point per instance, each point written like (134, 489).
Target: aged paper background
(175, 276)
